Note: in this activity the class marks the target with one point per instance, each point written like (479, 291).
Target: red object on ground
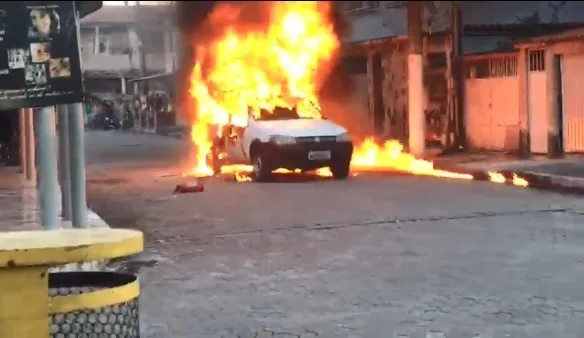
(196, 186)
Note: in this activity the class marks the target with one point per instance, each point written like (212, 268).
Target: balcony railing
(122, 63)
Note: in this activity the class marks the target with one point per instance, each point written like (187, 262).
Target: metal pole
(77, 165)
(47, 166)
(22, 139)
(64, 166)
(54, 119)
(30, 171)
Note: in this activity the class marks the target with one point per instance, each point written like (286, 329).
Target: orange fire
(280, 62)
(390, 156)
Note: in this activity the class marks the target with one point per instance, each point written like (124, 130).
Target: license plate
(319, 155)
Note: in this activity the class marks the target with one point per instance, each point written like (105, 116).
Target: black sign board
(39, 54)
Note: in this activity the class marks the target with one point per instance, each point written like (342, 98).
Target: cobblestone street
(375, 256)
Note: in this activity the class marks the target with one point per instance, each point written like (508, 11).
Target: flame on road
(370, 156)
(278, 59)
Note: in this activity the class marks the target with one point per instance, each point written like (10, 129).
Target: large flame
(282, 64)
(283, 61)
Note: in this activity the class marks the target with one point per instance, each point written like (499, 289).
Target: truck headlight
(282, 140)
(343, 137)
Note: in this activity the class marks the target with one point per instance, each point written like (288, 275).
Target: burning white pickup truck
(281, 138)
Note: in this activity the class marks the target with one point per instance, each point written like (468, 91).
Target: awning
(87, 7)
(152, 77)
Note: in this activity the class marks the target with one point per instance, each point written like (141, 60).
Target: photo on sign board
(17, 58)
(59, 67)
(43, 23)
(35, 74)
(40, 52)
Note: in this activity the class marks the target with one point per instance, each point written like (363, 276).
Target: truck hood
(301, 128)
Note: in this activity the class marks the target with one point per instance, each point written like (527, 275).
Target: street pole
(30, 172)
(458, 76)
(22, 139)
(47, 167)
(416, 97)
(77, 165)
(64, 166)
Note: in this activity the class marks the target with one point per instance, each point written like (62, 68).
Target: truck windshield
(279, 113)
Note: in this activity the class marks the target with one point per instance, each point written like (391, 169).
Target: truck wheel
(261, 169)
(341, 171)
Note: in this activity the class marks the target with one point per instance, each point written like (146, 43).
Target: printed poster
(39, 54)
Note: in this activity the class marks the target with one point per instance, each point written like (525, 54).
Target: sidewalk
(19, 206)
(561, 175)
(19, 211)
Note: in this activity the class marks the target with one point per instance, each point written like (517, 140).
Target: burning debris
(253, 56)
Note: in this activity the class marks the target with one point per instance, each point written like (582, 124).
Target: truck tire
(341, 170)
(261, 168)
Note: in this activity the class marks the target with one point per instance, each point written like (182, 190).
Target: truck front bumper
(308, 156)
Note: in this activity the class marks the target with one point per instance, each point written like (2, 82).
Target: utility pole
(416, 97)
(458, 77)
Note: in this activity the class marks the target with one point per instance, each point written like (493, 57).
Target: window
(536, 60)
(138, 3)
(358, 6)
(102, 48)
(104, 45)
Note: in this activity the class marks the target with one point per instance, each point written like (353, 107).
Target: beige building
(125, 40)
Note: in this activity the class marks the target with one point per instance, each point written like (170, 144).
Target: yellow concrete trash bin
(93, 303)
(31, 299)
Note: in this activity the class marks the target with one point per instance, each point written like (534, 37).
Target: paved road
(369, 257)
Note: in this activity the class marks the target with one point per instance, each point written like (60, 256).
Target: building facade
(125, 42)
(121, 43)
(379, 30)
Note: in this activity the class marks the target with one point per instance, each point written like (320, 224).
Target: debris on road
(196, 186)
(169, 175)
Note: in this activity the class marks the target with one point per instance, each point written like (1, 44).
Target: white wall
(122, 51)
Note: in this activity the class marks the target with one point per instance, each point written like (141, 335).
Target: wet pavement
(374, 256)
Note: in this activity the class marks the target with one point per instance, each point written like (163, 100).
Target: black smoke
(190, 16)
(198, 23)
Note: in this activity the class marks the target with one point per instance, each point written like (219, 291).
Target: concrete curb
(539, 181)
(554, 183)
